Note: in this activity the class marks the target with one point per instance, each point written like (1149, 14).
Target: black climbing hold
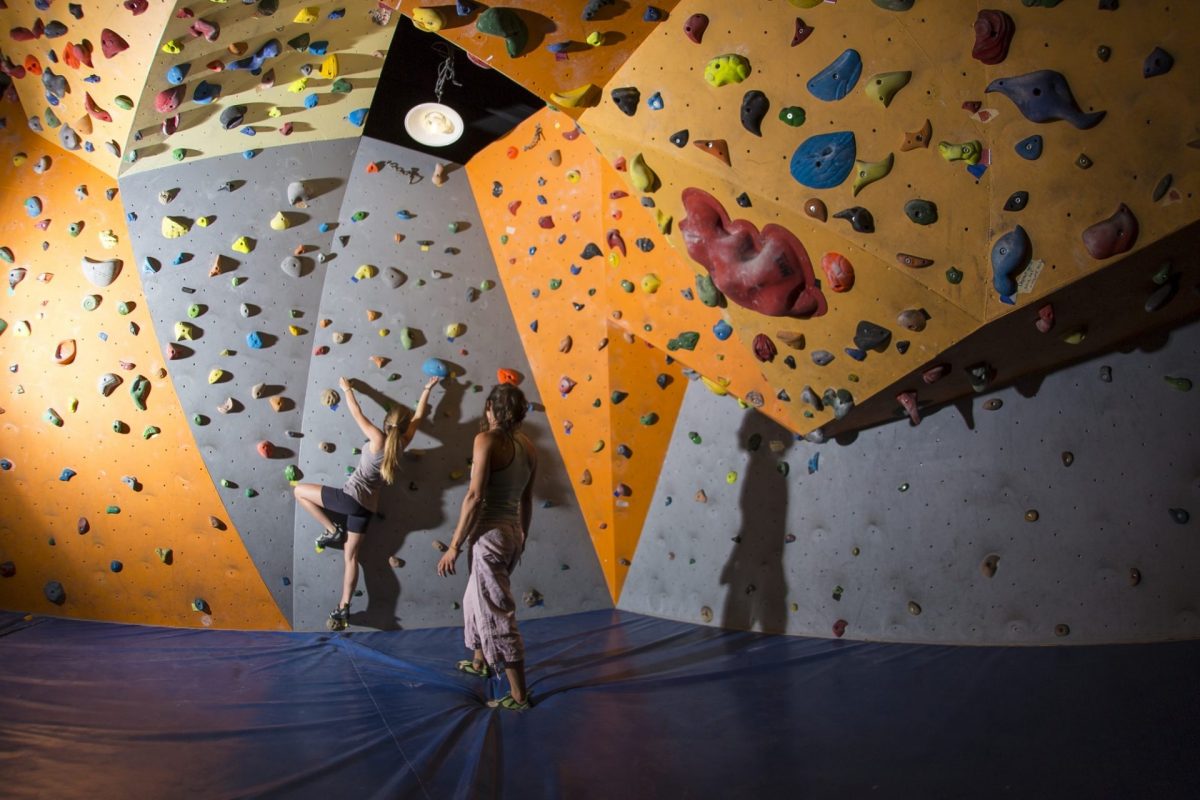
(593, 8)
(663, 380)
(1159, 62)
(627, 99)
(860, 219)
(1104, 52)
(644, 244)
(922, 212)
(790, 361)
(869, 336)
(1083, 161)
(647, 202)
(1017, 201)
(1109, 5)
(743, 200)
(680, 138)
(232, 117)
(1160, 190)
(902, 346)
(590, 251)
(54, 592)
(755, 106)
(497, 188)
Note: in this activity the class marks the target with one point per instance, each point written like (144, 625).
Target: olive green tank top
(505, 487)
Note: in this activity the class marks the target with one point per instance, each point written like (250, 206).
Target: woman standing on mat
(494, 524)
(358, 500)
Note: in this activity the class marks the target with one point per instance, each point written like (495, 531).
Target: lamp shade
(433, 124)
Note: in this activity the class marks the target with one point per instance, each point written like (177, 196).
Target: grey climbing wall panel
(249, 293)
(441, 286)
(902, 514)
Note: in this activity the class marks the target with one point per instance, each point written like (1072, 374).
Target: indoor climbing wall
(235, 77)
(911, 193)
(1058, 511)
(233, 254)
(79, 69)
(108, 510)
(413, 291)
(562, 54)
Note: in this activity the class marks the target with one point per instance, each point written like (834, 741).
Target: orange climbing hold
(508, 376)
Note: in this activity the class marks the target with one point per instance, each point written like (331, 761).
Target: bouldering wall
(79, 69)
(892, 170)
(233, 272)
(108, 510)
(563, 55)
(1058, 511)
(412, 287)
(231, 77)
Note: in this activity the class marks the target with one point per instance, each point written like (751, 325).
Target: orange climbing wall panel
(1064, 199)
(122, 75)
(355, 40)
(175, 498)
(537, 270)
(548, 21)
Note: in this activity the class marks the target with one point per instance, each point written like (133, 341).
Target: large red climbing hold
(111, 43)
(839, 272)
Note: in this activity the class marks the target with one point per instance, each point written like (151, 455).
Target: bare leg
(350, 578)
(477, 660)
(516, 680)
(308, 495)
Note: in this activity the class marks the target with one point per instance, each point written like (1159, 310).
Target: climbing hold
(1030, 148)
(793, 116)
(800, 32)
(428, 19)
(883, 86)
(915, 139)
(1160, 189)
(101, 273)
(576, 98)
(1112, 236)
(435, 368)
(64, 352)
(839, 272)
(729, 68)
(626, 98)
(969, 152)
(643, 177)
(867, 172)
(993, 34)
(54, 592)
(768, 271)
(232, 116)
(954, 276)
(655, 102)
(980, 376)
(1016, 201)
(822, 358)
(823, 161)
(695, 26)
(1180, 515)
(989, 565)
(914, 608)
(859, 218)
(913, 262)
(836, 80)
(1178, 384)
(1010, 255)
(815, 208)
(869, 336)
(1083, 161)
(684, 341)
(1045, 96)
(754, 110)
(242, 245)
(504, 22)
(764, 348)
(714, 147)
(913, 319)
(111, 43)
(922, 212)
(1159, 62)
(1045, 320)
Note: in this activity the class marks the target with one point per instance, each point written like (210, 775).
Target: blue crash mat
(627, 707)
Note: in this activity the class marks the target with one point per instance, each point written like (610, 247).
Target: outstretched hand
(446, 563)
(344, 384)
(434, 381)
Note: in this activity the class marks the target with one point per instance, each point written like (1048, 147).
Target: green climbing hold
(1179, 384)
(707, 291)
(649, 419)
(123, 308)
(555, 283)
(792, 115)
(150, 431)
(954, 276)
(627, 286)
(138, 391)
(684, 341)
(52, 417)
(406, 338)
(112, 510)
(91, 302)
(695, 437)
(291, 473)
(617, 397)
(179, 154)
(341, 86)
(226, 483)
(783, 468)
(122, 102)
(487, 285)
(251, 493)
(504, 22)
(6, 254)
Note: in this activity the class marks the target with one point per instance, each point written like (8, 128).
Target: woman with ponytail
(358, 500)
(493, 525)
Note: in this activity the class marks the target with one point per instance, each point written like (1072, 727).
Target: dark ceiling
(490, 104)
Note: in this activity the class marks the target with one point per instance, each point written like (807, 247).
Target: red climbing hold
(111, 43)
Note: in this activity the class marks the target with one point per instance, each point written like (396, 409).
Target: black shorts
(339, 502)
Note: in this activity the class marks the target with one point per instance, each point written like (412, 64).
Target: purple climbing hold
(1159, 62)
(755, 106)
(1045, 96)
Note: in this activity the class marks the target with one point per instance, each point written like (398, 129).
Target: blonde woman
(358, 500)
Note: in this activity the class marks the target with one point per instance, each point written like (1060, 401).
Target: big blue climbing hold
(824, 161)
(835, 81)
(435, 368)
(1010, 255)
(254, 340)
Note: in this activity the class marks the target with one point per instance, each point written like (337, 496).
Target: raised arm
(421, 412)
(527, 495)
(471, 504)
(365, 425)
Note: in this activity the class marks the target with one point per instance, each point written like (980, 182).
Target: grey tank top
(365, 482)
(505, 487)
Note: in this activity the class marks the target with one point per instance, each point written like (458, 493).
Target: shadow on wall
(757, 595)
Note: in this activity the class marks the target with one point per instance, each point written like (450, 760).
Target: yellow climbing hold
(650, 283)
(969, 152)
(204, 222)
(729, 68)
(644, 179)
(883, 87)
(428, 19)
(307, 15)
(295, 330)
(595, 38)
(731, 477)
(172, 46)
(455, 329)
(806, 3)
(184, 331)
(19, 159)
(575, 98)
(573, 176)
(614, 259)
(663, 220)
(366, 271)
(279, 222)
(216, 375)
(108, 240)
(718, 386)
(329, 67)
(242, 245)
(274, 112)
(174, 227)
(297, 86)
(867, 172)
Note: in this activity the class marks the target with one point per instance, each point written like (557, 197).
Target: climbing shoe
(339, 619)
(332, 538)
(508, 703)
(468, 666)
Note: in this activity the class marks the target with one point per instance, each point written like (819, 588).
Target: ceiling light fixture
(436, 124)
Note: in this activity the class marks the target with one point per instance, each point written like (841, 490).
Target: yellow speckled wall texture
(105, 494)
(105, 54)
(306, 72)
(810, 74)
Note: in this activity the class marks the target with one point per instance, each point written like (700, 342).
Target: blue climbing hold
(5, 464)
(722, 330)
(205, 93)
(33, 206)
(358, 116)
(652, 14)
(150, 265)
(178, 73)
(248, 130)
(66, 474)
(824, 161)
(116, 566)
(835, 81)
(855, 353)
(1030, 148)
(1010, 255)
(435, 368)
(533, 326)
(404, 213)
(318, 48)
(655, 101)
(249, 154)
(311, 101)
(254, 340)
(814, 463)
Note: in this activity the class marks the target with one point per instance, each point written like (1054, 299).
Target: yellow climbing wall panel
(121, 74)
(673, 100)
(341, 46)
(621, 26)
(554, 274)
(160, 533)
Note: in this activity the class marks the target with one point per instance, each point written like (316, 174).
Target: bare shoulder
(527, 443)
